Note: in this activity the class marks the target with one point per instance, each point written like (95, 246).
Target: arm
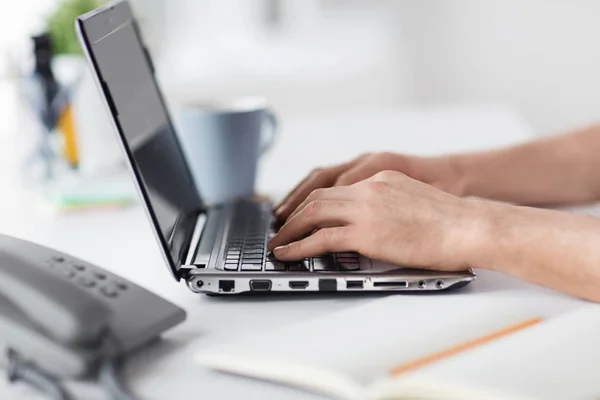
(549, 248)
(554, 171)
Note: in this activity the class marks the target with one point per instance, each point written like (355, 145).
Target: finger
(338, 193)
(397, 180)
(316, 215)
(353, 175)
(317, 179)
(326, 240)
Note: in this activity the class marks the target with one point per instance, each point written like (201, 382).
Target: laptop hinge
(195, 241)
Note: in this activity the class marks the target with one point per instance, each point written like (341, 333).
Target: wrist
(497, 240)
(446, 173)
(488, 228)
(464, 168)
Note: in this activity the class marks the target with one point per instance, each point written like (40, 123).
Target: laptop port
(260, 285)
(226, 286)
(354, 284)
(391, 284)
(327, 285)
(298, 285)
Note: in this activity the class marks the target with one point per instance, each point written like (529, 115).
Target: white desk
(121, 241)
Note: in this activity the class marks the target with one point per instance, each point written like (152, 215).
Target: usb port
(298, 284)
(354, 284)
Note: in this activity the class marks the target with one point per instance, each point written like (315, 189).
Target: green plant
(61, 24)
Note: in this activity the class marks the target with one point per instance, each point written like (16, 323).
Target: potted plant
(61, 25)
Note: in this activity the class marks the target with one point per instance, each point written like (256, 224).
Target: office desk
(121, 241)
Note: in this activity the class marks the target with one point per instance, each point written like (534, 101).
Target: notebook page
(559, 359)
(367, 342)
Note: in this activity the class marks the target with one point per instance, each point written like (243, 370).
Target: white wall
(324, 55)
(540, 56)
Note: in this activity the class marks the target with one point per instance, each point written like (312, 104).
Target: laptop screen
(125, 72)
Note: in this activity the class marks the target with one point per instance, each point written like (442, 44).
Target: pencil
(422, 362)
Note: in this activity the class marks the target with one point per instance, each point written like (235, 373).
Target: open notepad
(454, 347)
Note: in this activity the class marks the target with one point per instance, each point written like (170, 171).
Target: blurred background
(536, 57)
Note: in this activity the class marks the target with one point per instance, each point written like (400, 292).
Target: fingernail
(280, 249)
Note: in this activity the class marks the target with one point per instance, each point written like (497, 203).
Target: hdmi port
(298, 284)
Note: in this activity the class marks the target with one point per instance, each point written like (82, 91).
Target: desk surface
(166, 369)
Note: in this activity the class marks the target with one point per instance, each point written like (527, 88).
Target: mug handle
(268, 139)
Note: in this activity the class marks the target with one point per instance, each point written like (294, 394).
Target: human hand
(441, 172)
(390, 217)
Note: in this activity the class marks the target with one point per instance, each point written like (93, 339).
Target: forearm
(549, 248)
(554, 171)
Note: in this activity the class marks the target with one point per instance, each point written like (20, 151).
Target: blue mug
(222, 143)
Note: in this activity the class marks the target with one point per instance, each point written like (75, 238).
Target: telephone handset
(58, 311)
(49, 301)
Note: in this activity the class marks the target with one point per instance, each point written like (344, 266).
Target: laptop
(217, 249)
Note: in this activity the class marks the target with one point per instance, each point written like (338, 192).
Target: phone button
(100, 276)
(79, 267)
(109, 291)
(67, 273)
(86, 281)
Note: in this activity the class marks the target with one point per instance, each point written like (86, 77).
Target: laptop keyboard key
(231, 267)
(347, 260)
(274, 266)
(253, 260)
(252, 267)
(324, 265)
(299, 266)
(254, 251)
(350, 266)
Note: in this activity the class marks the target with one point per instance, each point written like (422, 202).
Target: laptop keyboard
(251, 228)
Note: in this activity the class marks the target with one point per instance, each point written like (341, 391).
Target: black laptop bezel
(111, 16)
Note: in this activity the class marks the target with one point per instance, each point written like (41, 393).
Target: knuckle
(314, 208)
(317, 172)
(384, 176)
(315, 194)
(376, 187)
(344, 179)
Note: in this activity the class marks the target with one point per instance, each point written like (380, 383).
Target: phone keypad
(87, 277)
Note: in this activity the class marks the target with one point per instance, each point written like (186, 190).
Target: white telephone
(64, 318)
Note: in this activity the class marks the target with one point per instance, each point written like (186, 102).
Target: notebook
(369, 353)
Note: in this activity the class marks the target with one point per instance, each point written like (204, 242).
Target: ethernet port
(226, 286)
